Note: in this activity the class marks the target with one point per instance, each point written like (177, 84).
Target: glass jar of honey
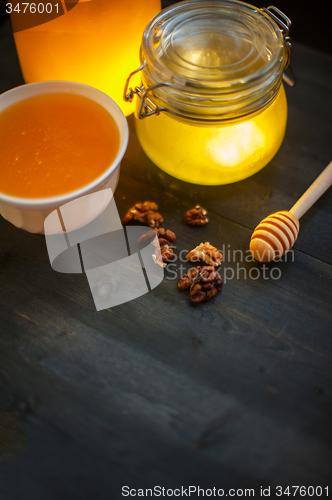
(212, 107)
(95, 42)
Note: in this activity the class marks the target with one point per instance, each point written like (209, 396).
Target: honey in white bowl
(54, 144)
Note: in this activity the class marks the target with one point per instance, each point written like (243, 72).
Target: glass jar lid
(212, 59)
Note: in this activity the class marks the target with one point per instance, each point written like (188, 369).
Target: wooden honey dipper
(276, 234)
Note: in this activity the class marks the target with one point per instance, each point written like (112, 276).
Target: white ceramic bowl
(30, 213)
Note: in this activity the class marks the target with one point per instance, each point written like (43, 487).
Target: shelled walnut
(206, 252)
(165, 236)
(204, 283)
(190, 278)
(196, 216)
(164, 253)
(144, 212)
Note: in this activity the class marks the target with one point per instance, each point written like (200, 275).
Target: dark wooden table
(235, 393)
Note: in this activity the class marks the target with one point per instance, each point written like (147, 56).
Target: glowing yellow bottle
(212, 108)
(95, 42)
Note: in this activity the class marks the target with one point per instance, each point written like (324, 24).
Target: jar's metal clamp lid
(284, 24)
(148, 107)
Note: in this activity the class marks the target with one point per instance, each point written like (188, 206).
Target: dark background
(234, 394)
(310, 20)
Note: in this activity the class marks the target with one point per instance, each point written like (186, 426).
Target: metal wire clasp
(129, 93)
(147, 106)
(284, 24)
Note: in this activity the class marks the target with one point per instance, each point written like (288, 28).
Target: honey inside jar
(216, 154)
(96, 42)
(54, 144)
(212, 107)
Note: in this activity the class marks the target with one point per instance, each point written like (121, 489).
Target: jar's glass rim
(216, 57)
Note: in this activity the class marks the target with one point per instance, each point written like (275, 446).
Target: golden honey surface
(53, 144)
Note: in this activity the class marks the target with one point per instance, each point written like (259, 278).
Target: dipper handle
(315, 191)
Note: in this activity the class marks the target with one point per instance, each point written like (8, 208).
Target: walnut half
(165, 253)
(144, 212)
(196, 216)
(206, 252)
(204, 283)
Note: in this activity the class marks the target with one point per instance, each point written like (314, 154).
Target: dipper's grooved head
(274, 236)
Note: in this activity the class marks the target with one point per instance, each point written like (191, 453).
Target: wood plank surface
(234, 393)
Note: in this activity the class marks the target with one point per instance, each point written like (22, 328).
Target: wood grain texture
(234, 393)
